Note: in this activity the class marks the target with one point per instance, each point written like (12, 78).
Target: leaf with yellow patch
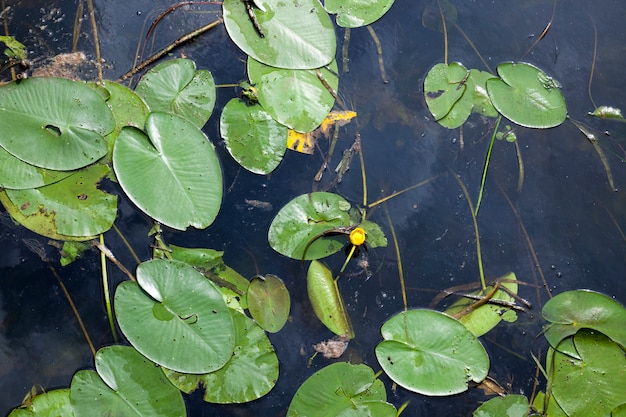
(305, 142)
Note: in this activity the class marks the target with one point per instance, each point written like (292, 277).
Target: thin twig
(397, 193)
(544, 33)
(593, 61)
(398, 258)
(379, 51)
(96, 40)
(107, 252)
(180, 41)
(445, 34)
(344, 50)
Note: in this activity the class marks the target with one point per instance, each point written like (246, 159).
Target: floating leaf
(17, 174)
(180, 321)
(269, 302)
(430, 353)
(444, 86)
(14, 48)
(357, 13)
(298, 35)
(594, 384)
(327, 301)
(128, 109)
(304, 218)
(70, 209)
(250, 374)
(484, 318)
(253, 138)
(172, 173)
(340, 388)
(527, 96)
(51, 403)
(509, 406)
(175, 86)
(571, 311)
(127, 384)
(295, 98)
(54, 123)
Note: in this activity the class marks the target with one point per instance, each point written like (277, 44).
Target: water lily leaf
(336, 389)
(477, 85)
(295, 98)
(510, 406)
(127, 384)
(594, 384)
(303, 219)
(172, 173)
(444, 86)
(357, 13)
(327, 301)
(17, 174)
(250, 374)
(175, 86)
(180, 322)
(430, 353)
(70, 209)
(128, 109)
(375, 235)
(14, 48)
(51, 403)
(571, 311)
(527, 96)
(297, 35)
(484, 318)
(269, 302)
(305, 142)
(54, 123)
(253, 138)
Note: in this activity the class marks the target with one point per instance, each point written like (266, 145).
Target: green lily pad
(54, 123)
(594, 384)
(180, 322)
(297, 35)
(269, 302)
(172, 173)
(294, 97)
(443, 89)
(527, 96)
(509, 406)
(253, 138)
(250, 374)
(175, 86)
(571, 311)
(17, 174)
(484, 318)
(357, 13)
(127, 384)
(306, 217)
(51, 403)
(128, 109)
(430, 353)
(327, 301)
(70, 209)
(337, 389)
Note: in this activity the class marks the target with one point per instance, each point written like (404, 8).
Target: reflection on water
(571, 217)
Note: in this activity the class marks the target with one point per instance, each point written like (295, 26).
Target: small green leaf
(51, 403)
(571, 311)
(14, 48)
(430, 353)
(295, 98)
(175, 86)
(327, 301)
(269, 302)
(608, 112)
(527, 96)
(444, 86)
(509, 406)
(303, 220)
(253, 138)
(340, 388)
(357, 13)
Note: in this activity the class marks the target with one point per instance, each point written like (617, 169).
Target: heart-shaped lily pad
(180, 322)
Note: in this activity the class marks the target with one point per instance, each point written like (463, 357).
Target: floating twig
(379, 51)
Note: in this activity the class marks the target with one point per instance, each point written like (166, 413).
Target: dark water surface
(571, 215)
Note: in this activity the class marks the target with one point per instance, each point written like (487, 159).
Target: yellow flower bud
(357, 236)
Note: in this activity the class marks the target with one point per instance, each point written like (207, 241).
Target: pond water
(565, 207)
